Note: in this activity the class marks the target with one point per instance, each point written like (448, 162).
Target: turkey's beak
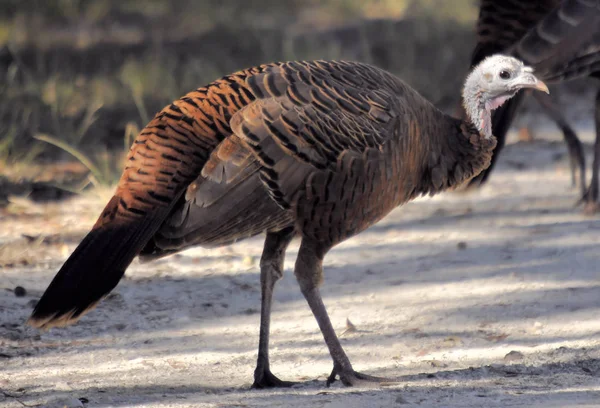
(530, 81)
(541, 86)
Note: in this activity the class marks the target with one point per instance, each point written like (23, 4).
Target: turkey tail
(565, 44)
(167, 155)
(94, 269)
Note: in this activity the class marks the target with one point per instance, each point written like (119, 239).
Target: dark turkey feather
(565, 44)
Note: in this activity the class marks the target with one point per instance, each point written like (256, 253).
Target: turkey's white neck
(478, 110)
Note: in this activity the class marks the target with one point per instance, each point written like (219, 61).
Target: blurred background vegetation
(79, 78)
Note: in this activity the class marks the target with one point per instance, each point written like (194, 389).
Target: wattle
(496, 102)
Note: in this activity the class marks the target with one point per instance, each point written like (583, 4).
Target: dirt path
(488, 299)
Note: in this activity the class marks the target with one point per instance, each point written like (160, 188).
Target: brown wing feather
(226, 203)
(291, 141)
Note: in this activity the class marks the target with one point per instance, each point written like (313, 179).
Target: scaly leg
(591, 205)
(271, 270)
(576, 156)
(309, 272)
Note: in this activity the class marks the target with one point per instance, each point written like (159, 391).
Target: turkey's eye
(505, 74)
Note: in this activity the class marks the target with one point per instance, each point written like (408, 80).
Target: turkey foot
(591, 206)
(264, 378)
(351, 378)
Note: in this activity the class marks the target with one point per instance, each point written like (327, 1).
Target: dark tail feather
(565, 44)
(93, 269)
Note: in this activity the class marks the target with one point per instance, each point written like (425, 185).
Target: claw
(351, 378)
(591, 208)
(266, 379)
(590, 205)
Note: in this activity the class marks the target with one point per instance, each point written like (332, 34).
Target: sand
(486, 299)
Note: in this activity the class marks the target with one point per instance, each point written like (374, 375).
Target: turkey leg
(591, 205)
(271, 270)
(576, 156)
(309, 273)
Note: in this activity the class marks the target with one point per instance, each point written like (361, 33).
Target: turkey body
(317, 149)
(318, 144)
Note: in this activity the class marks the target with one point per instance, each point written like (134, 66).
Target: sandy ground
(490, 299)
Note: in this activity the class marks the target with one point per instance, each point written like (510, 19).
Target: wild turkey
(532, 30)
(318, 149)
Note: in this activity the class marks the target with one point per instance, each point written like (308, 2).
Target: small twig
(350, 327)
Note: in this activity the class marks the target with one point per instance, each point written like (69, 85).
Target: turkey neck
(477, 111)
(450, 152)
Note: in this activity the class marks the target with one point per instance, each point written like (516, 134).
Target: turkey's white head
(491, 83)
